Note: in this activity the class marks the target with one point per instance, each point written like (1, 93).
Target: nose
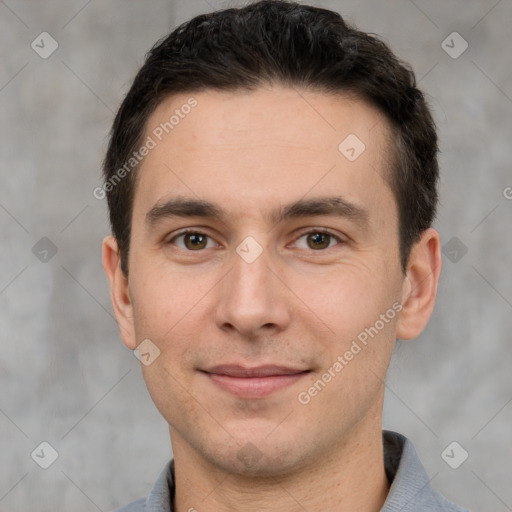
(252, 300)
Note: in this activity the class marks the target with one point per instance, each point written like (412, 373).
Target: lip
(256, 382)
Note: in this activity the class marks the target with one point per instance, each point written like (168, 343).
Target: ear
(420, 285)
(119, 293)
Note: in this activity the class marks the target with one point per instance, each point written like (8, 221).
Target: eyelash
(305, 233)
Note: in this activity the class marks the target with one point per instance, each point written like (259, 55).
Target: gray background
(65, 376)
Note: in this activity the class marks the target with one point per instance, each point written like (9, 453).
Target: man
(271, 179)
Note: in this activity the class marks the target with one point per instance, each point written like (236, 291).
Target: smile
(254, 382)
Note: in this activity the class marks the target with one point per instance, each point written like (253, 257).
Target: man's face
(253, 288)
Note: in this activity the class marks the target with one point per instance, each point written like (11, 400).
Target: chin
(250, 461)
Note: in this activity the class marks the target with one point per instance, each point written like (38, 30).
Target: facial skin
(300, 304)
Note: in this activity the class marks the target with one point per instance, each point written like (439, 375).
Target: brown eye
(318, 240)
(192, 241)
(195, 241)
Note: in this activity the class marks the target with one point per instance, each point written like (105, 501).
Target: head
(301, 156)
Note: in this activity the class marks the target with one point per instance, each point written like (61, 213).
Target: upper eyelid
(188, 232)
(185, 231)
(325, 231)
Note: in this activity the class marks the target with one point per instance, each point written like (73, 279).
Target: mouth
(256, 382)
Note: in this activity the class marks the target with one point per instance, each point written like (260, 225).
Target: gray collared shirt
(410, 489)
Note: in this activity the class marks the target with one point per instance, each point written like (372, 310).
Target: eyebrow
(320, 206)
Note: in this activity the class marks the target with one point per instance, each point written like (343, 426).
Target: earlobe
(420, 285)
(119, 293)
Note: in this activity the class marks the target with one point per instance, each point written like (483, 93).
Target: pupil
(319, 240)
(195, 240)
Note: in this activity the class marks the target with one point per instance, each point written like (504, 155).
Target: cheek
(172, 394)
(351, 381)
(360, 308)
(348, 297)
(164, 299)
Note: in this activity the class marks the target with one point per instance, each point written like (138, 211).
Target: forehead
(274, 142)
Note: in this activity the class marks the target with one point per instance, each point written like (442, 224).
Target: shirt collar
(161, 497)
(406, 474)
(410, 489)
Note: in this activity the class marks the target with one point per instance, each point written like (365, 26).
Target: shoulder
(136, 506)
(447, 506)
(410, 489)
(160, 497)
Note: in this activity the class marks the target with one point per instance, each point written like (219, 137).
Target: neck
(349, 477)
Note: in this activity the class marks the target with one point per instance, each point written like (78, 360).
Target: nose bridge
(251, 297)
(250, 279)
